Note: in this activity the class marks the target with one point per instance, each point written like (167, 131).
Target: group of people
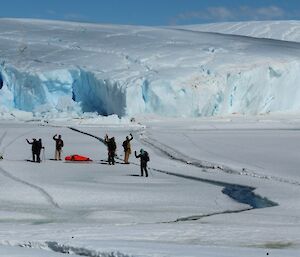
(112, 147)
(37, 146)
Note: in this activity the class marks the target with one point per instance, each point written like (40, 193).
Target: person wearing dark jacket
(34, 148)
(127, 148)
(39, 147)
(59, 144)
(144, 158)
(111, 147)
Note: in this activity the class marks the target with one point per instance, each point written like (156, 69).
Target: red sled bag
(77, 158)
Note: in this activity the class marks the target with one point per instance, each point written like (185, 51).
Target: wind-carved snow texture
(68, 69)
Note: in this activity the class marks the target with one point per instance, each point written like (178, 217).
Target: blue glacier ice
(50, 68)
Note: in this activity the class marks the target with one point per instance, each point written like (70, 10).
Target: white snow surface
(55, 69)
(281, 30)
(94, 209)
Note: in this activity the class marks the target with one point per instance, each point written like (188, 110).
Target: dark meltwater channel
(239, 193)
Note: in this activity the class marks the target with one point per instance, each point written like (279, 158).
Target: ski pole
(150, 171)
(44, 156)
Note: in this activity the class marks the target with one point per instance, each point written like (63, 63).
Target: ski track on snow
(42, 191)
(2, 137)
(204, 165)
(5, 173)
(13, 140)
(1, 141)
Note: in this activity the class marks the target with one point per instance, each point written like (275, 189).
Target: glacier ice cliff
(260, 90)
(130, 71)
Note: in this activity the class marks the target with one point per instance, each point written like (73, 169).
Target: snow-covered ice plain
(96, 209)
(218, 114)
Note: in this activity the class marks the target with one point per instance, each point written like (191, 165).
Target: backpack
(146, 156)
(124, 145)
(60, 144)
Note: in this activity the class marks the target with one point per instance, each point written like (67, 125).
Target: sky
(152, 12)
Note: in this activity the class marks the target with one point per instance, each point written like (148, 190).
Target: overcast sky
(152, 12)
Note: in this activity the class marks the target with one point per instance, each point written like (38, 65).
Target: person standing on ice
(39, 149)
(111, 147)
(59, 144)
(144, 158)
(34, 148)
(127, 148)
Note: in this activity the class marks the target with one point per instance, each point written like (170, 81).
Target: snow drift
(49, 68)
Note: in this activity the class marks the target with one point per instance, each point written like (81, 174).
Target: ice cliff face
(52, 68)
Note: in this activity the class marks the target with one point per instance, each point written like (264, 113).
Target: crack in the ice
(88, 134)
(43, 192)
(178, 156)
(240, 193)
(198, 217)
